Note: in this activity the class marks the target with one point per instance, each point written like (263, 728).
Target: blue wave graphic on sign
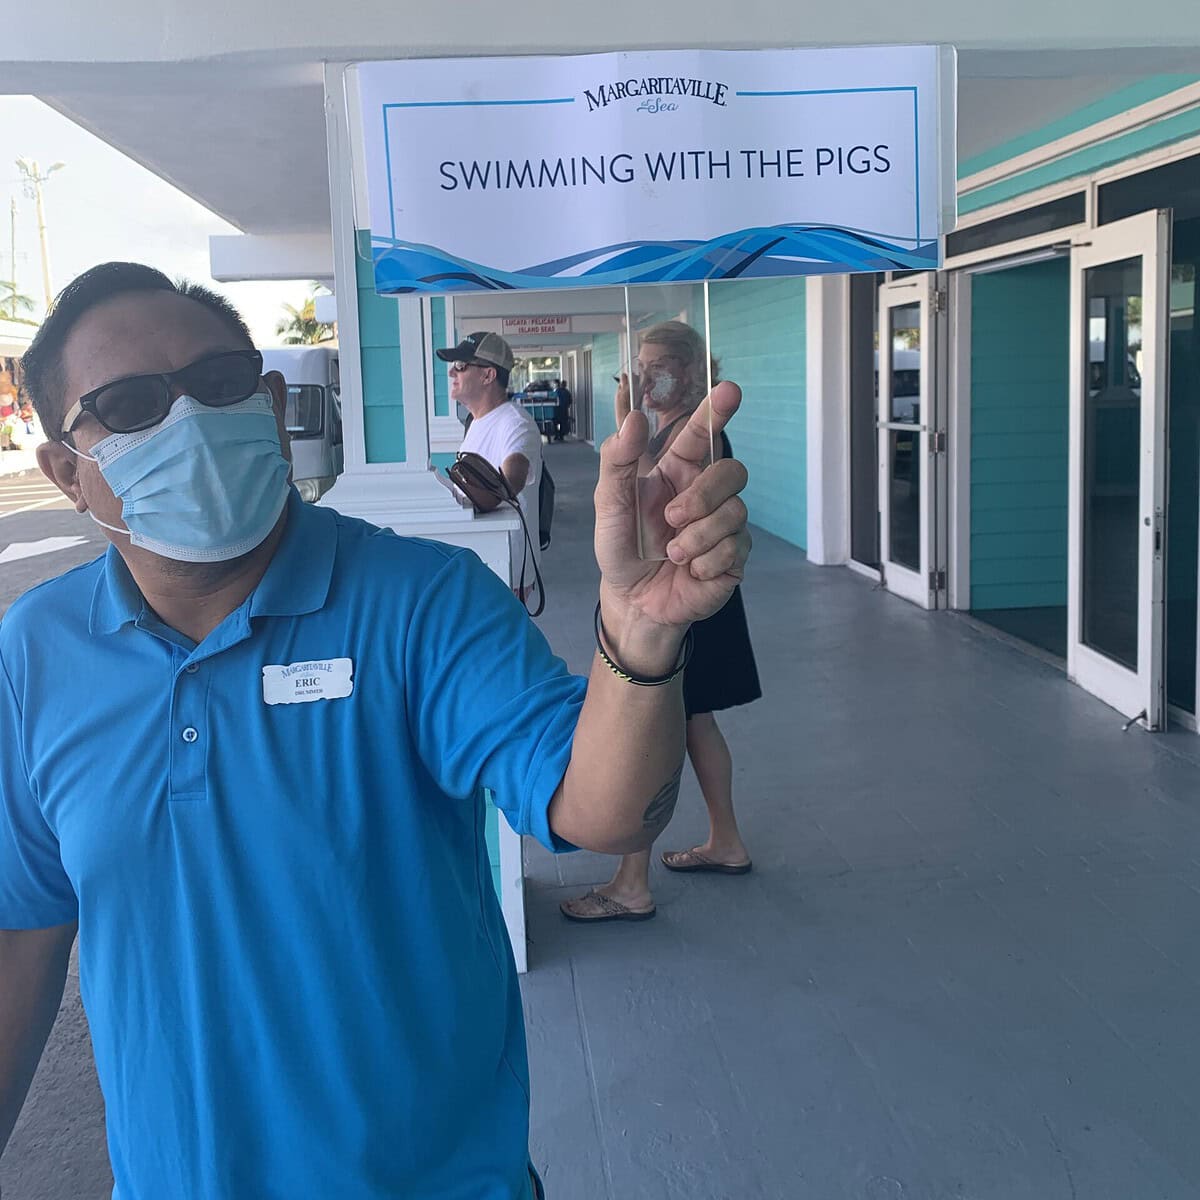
(406, 267)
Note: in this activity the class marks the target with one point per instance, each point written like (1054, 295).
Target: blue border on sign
(387, 140)
(571, 100)
(851, 92)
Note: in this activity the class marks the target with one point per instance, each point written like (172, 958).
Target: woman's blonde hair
(685, 344)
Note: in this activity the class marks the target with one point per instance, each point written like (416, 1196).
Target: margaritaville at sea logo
(657, 93)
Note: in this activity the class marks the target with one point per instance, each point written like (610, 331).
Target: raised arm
(622, 782)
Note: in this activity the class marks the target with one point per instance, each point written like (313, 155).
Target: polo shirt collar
(296, 581)
(298, 577)
(116, 601)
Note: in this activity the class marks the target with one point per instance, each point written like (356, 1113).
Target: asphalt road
(38, 523)
(57, 1151)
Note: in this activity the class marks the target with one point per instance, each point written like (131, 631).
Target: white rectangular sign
(490, 174)
(529, 326)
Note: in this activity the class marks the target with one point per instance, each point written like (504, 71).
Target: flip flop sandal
(594, 907)
(692, 862)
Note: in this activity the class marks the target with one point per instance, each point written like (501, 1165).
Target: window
(1029, 222)
(906, 381)
(864, 440)
(335, 393)
(1176, 185)
(305, 411)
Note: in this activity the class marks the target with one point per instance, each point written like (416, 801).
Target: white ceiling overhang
(245, 136)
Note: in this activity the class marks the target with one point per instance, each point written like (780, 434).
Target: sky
(103, 206)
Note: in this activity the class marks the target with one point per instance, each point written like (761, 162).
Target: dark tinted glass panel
(304, 411)
(1183, 502)
(1175, 186)
(1112, 453)
(864, 444)
(905, 342)
(904, 459)
(1029, 222)
(904, 513)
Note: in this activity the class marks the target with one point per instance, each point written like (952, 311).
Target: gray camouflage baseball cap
(482, 348)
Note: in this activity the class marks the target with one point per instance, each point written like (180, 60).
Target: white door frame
(1140, 694)
(912, 585)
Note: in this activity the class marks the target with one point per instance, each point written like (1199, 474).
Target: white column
(404, 496)
(407, 496)
(445, 432)
(342, 215)
(827, 329)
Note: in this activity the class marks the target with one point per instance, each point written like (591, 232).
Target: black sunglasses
(142, 401)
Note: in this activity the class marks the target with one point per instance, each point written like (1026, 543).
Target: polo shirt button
(192, 668)
(190, 735)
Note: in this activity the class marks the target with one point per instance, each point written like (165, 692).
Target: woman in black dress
(672, 377)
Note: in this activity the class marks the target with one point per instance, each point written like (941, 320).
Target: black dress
(722, 672)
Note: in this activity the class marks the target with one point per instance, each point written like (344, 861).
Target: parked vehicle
(313, 414)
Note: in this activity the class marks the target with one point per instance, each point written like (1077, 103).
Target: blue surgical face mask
(204, 485)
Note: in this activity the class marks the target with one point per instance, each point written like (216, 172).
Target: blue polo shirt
(291, 954)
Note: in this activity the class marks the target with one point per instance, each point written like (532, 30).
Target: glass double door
(1120, 306)
(1120, 322)
(911, 440)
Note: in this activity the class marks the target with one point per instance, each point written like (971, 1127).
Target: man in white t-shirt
(500, 431)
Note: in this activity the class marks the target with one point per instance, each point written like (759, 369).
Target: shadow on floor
(1045, 628)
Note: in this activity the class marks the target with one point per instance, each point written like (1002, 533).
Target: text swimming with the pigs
(702, 166)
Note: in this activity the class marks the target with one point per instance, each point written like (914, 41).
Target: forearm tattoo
(660, 810)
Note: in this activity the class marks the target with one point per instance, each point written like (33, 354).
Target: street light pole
(41, 220)
(33, 188)
(12, 242)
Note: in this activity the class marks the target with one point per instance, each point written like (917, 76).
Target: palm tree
(300, 327)
(12, 301)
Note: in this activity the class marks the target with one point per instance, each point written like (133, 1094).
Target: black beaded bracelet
(621, 673)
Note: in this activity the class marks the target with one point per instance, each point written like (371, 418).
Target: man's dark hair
(42, 362)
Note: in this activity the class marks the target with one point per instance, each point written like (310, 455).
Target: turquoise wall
(1019, 436)
(758, 333)
(606, 362)
(441, 379)
(379, 341)
(1083, 162)
(1119, 101)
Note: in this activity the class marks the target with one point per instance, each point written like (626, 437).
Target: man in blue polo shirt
(245, 753)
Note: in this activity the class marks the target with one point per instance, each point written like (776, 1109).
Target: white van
(313, 415)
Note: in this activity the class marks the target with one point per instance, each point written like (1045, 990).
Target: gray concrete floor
(966, 963)
(964, 967)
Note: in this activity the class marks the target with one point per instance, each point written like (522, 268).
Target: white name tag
(298, 683)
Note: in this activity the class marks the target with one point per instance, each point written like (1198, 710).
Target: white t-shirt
(507, 430)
